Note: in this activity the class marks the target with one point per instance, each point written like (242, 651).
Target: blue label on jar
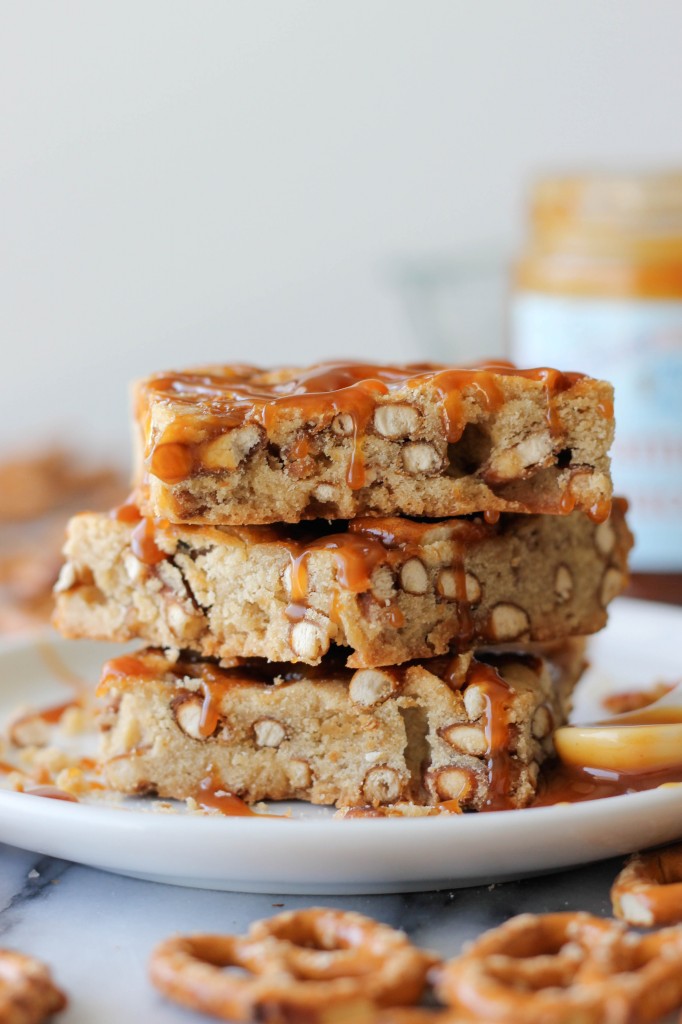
(637, 345)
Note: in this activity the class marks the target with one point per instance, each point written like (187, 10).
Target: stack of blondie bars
(361, 585)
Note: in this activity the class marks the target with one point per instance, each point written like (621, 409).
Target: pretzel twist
(565, 968)
(308, 962)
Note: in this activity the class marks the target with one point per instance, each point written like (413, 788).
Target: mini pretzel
(27, 992)
(648, 891)
(307, 962)
(564, 968)
(525, 970)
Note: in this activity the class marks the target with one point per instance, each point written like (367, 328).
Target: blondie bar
(390, 590)
(237, 445)
(470, 730)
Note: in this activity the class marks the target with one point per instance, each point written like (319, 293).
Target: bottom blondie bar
(470, 730)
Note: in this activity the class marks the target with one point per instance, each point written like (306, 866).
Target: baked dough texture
(240, 446)
(472, 730)
(387, 590)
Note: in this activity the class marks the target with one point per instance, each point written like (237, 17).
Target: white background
(194, 181)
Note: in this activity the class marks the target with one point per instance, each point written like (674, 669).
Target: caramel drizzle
(237, 395)
(143, 542)
(128, 512)
(560, 783)
(143, 537)
(371, 543)
(367, 544)
(501, 764)
(125, 667)
(212, 795)
(210, 709)
(450, 385)
(355, 557)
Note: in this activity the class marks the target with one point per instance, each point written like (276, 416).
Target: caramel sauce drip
(465, 633)
(560, 783)
(211, 795)
(450, 806)
(451, 384)
(452, 671)
(567, 783)
(496, 727)
(252, 670)
(600, 511)
(127, 666)
(210, 713)
(128, 512)
(355, 557)
(233, 396)
(554, 383)
(143, 543)
(143, 537)
(369, 544)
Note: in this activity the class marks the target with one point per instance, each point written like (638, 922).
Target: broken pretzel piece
(648, 891)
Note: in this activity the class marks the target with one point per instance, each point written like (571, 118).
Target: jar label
(637, 345)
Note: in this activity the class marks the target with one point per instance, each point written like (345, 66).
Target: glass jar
(599, 289)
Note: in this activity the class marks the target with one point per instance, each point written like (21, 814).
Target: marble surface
(96, 930)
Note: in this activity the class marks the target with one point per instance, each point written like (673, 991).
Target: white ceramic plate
(316, 854)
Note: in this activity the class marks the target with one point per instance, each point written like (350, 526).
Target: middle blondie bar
(390, 590)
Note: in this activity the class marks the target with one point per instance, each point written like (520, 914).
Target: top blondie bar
(238, 445)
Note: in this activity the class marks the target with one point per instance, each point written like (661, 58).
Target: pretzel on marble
(563, 968)
(306, 962)
(27, 993)
(648, 890)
